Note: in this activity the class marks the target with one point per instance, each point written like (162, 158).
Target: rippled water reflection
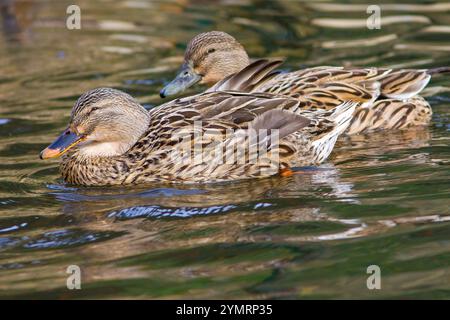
(382, 199)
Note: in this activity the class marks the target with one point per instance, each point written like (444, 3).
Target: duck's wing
(236, 107)
(261, 76)
(239, 109)
(393, 84)
(251, 77)
(220, 154)
(320, 75)
(329, 95)
(316, 88)
(273, 140)
(243, 107)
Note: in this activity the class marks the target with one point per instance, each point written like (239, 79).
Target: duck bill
(185, 78)
(62, 144)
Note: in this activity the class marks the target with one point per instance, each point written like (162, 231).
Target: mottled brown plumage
(305, 138)
(394, 92)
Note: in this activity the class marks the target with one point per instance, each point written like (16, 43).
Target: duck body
(219, 121)
(389, 99)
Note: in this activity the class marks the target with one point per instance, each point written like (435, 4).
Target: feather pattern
(395, 92)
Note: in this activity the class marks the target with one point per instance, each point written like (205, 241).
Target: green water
(382, 199)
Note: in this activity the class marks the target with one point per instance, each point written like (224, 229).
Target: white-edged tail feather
(341, 116)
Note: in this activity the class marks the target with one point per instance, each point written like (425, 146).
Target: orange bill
(62, 144)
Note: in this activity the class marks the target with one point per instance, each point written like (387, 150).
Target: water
(382, 199)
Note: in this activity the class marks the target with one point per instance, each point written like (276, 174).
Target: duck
(215, 136)
(389, 99)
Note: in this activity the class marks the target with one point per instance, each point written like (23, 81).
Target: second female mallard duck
(111, 139)
(389, 98)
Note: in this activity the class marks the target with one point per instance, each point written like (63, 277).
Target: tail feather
(341, 116)
(438, 70)
(404, 84)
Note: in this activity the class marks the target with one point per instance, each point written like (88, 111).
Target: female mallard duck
(389, 98)
(111, 139)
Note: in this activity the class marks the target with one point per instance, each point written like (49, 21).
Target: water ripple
(183, 212)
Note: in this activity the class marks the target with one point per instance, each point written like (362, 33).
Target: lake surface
(382, 199)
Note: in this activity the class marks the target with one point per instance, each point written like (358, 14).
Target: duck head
(104, 122)
(209, 58)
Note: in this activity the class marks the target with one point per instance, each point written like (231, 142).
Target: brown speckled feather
(389, 114)
(327, 87)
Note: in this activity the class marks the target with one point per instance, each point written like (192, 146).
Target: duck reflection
(184, 201)
(178, 217)
(367, 149)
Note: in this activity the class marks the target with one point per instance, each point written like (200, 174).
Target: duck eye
(92, 110)
(211, 50)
